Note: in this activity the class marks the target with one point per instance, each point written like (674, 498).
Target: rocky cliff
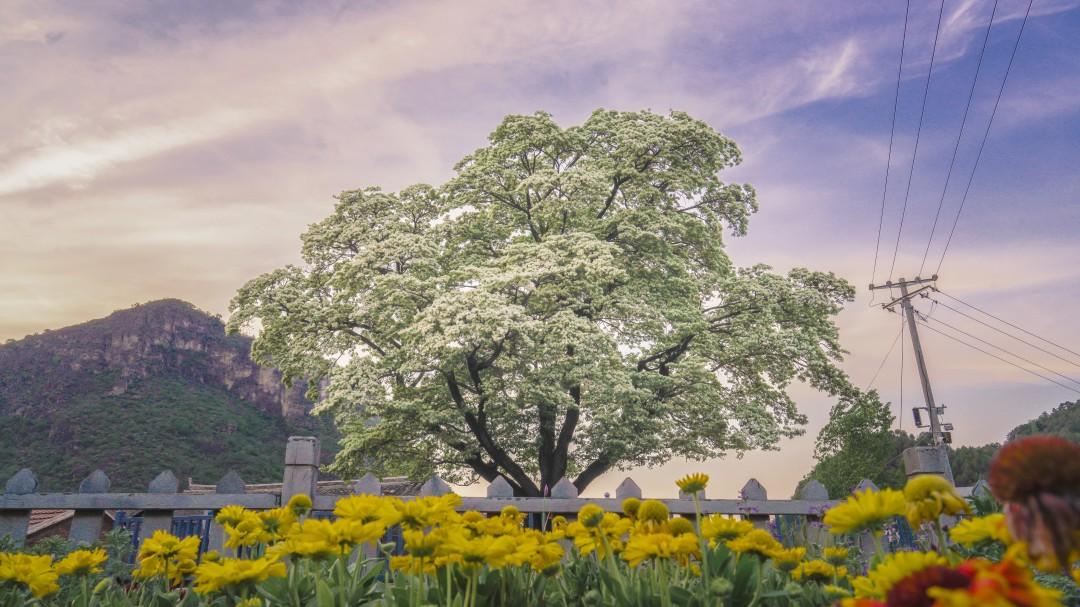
(158, 385)
(169, 336)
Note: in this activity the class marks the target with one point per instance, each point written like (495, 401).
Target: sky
(156, 149)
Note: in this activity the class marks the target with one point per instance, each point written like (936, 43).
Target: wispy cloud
(153, 151)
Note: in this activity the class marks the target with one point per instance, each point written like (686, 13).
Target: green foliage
(971, 464)
(162, 422)
(156, 386)
(1063, 421)
(857, 443)
(563, 306)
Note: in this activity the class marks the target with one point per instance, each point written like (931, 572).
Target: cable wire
(892, 135)
(959, 136)
(1009, 352)
(986, 134)
(887, 354)
(1003, 332)
(956, 339)
(1002, 320)
(918, 134)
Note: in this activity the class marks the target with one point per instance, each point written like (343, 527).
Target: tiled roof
(394, 485)
(41, 519)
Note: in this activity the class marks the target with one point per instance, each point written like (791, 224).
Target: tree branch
(599, 466)
(611, 197)
(494, 451)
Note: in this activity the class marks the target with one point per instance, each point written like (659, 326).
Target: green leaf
(324, 596)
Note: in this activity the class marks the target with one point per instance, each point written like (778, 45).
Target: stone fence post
(301, 467)
(14, 523)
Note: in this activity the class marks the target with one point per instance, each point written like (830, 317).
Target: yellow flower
(817, 571)
(834, 593)
(233, 573)
(679, 526)
(891, 570)
(548, 554)
(652, 511)
(426, 511)
(989, 528)
(630, 506)
(758, 541)
(512, 512)
(787, 559)
(929, 496)
(420, 545)
(590, 515)
(230, 515)
(165, 555)
(411, 564)
(82, 562)
(693, 483)
(165, 545)
(317, 537)
(211, 556)
(34, 572)
(368, 509)
(300, 504)
(249, 531)
(276, 522)
(606, 534)
(473, 553)
(836, 555)
(252, 602)
(644, 546)
(867, 509)
(717, 528)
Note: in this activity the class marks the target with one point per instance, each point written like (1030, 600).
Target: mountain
(158, 385)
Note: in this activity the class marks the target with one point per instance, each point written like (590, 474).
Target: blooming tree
(563, 306)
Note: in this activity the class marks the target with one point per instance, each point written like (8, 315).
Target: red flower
(1039, 479)
(911, 591)
(1035, 465)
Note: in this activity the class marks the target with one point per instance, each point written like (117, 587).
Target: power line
(1009, 352)
(887, 355)
(959, 136)
(986, 134)
(892, 134)
(1003, 332)
(1002, 320)
(992, 355)
(918, 134)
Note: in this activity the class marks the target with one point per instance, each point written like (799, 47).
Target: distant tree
(856, 443)
(1063, 420)
(564, 306)
(971, 464)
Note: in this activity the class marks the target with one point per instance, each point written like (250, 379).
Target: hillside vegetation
(157, 386)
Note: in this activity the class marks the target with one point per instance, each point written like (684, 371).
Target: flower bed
(640, 556)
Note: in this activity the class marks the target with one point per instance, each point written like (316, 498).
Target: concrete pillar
(301, 467)
(927, 460)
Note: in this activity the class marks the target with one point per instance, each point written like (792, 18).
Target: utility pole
(919, 462)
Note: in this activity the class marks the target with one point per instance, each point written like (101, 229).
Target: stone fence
(163, 500)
